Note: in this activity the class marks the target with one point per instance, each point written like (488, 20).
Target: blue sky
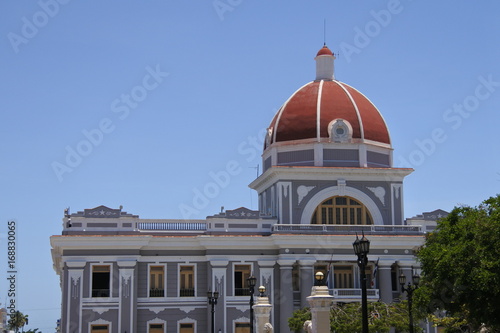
(207, 77)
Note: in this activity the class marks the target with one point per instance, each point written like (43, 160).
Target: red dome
(324, 51)
(309, 111)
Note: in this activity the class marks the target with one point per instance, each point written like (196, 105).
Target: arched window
(341, 210)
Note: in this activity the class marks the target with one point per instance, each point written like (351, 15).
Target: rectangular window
(241, 274)
(186, 328)
(156, 281)
(156, 328)
(99, 329)
(242, 328)
(186, 281)
(101, 281)
(343, 277)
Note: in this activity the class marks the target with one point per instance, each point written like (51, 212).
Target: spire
(324, 64)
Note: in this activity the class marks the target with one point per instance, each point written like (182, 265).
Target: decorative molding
(397, 190)
(100, 310)
(379, 192)
(241, 308)
(156, 310)
(187, 309)
(303, 191)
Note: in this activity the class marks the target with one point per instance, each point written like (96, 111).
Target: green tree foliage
(33, 331)
(460, 263)
(17, 321)
(346, 318)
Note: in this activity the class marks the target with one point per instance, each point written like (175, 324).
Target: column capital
(128, 263)
(306, 263)
(286, 263)
(76, 264)
(266, 263)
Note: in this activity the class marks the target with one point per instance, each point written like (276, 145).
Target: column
(306, 280)
(73, 291)
(262, 312)
(266, 279)
(284, 299)
(219, 283)
(384, 280)
(128, 296)
(320, 302)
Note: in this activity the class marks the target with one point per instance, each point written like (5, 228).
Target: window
(241, 274)
(186, 281)
(99, 329)
(343, 277)
(156, 328)
(242, 328)
(156, 281)
(101, 281)
(341, 210)
(186, 328)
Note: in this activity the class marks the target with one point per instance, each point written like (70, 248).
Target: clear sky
(138, 103)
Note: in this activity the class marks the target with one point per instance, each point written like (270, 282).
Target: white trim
(361, 128)
(156, 321)
(233, 264)
(164, 279)
(243, 320)
(332, 191)
(186, 320)
(100, 322)
(380, 114)
(195, 280)
(280, 112)
(111, 268)
(318, 111)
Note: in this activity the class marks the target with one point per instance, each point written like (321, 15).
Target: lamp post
(361, 249)
(251, 285)
(212, 300)
(409, 291)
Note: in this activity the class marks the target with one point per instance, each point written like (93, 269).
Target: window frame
(91, 279)
(179, 278)
(150, 265)
(234, 264)
(317, 216)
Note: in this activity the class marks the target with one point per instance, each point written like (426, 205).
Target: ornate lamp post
(212, 300)
(361, 249)
(409, 291)
(251, 288)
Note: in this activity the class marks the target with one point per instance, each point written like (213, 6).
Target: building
(327, 176)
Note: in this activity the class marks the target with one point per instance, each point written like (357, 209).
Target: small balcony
(186, 292)
(241, 292)
(156, 292)
(100, 292)
(332, 229)
(354, 295)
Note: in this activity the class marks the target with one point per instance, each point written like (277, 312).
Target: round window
(340, 131)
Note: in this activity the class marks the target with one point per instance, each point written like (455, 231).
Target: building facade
(327, 176)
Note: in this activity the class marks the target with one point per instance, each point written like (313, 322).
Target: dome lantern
(324, 64)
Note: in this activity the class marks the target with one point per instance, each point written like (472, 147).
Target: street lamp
(212, 300)
(319, 276)
(409, 291)
(361, 249)
(251, 285)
